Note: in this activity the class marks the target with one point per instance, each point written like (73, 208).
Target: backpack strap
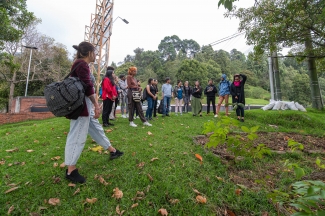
(72, 70)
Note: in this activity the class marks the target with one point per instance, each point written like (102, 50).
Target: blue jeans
(150, 107)
(77, 136)
(166, 105)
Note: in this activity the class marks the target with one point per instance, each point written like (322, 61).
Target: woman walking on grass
(196, 99)
(87, 122)
(151, 98)
(109, 95)
(224, 92)
(238, 95)
(132, 101)
(179, 95)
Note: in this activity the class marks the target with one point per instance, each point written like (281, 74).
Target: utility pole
(276, 75)
(271, 78)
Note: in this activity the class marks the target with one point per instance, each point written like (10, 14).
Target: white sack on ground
(300, 107)
(292, 105)
(277, 105)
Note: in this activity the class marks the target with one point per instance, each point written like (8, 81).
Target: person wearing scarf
(238, 95)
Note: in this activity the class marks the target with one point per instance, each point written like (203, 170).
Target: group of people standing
(192, 95)
(127, 91)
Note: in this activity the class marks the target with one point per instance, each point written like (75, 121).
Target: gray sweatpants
(79, 129)
(124, 104)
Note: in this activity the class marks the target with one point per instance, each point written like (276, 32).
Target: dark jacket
(83, 72)
(210, 91)
(241, 98)
(195, 93)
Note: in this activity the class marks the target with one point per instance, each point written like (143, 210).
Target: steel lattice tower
(98, 33)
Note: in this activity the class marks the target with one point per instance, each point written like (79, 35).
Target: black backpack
(144, 94)
(66, 98)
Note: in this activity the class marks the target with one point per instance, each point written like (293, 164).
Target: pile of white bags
(284, 105)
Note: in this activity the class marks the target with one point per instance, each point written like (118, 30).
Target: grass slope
(176, 173)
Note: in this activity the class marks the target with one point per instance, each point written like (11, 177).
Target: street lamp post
(30, 59)
(124, 20)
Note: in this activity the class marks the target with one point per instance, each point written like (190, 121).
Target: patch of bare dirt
(265, 175)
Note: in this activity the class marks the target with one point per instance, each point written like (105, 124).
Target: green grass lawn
(253, 101)
(175, 174)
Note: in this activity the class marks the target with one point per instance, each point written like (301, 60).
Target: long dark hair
(149, 81)
(109, 75)
(83, 49)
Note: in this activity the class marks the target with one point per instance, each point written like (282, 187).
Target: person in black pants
(238, 95)
(155, 101)
(210, 91)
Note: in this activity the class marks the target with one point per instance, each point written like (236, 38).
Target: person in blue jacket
(224, 92)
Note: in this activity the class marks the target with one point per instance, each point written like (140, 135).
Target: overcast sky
(149, 22)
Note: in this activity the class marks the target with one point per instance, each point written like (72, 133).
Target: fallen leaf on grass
(229, 212)
(134, 153)
(42, 208)
(238, 191)
(77, 191)
(118, 211)
(10, 164)
(30, 150)
(65, 133)
(55, 158)
(11, 209)
(56, 180)
(140, 193)
(11, 189)
(71, 185)
(118, 194)
(13, 184)
(108, 130)
(62, 165)
(265, 214)
(12, 150)
(23, 163)
(141, 164)
(2, 162)
(149, 133)
(134, 205)
(153, 159)
(36, 141)
(150, 145)
(201, 199)
(219, 178)
(7, 134)
(196, 191)
(150, 177)
(102, 180)
(173, 201)
(54, 201)
(91, 201)
(55, 164)
(97, 149)
(163, 212)
(199, 157)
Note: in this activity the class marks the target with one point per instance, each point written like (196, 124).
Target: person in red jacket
(109, 94)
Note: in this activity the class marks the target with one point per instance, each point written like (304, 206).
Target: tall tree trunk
(276, 72)
(316, 98)
(11, 92)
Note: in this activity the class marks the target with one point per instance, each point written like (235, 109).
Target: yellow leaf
(196, 191)
(219, 178)
(238, 191)
(55, 164)
(150, 177)
(108, 130)
(141, 164)
(118, 211)
(54, 201)
(201, 199)
(118, 194)
(30, 150)
(163, 212)
(149, 133)
(97, 149)
(153, 159)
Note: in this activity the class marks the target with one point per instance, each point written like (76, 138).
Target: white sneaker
(127, 116)
(147, 124)
(123, 116)
(133, 125)
(216, 115)
(135, 117)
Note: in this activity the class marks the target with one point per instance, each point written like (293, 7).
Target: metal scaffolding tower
(98, 33)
